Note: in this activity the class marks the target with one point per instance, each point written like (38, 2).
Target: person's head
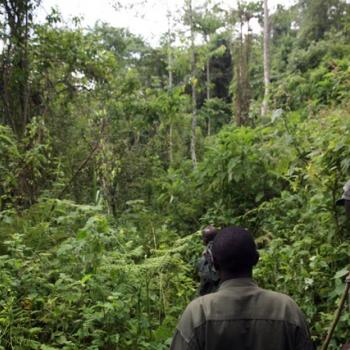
(208, 234)
(345, 199)
(234, 252)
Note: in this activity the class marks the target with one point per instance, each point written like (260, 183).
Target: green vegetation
(101, 201)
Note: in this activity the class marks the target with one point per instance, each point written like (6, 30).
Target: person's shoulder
(192, 317)
(194, 312)
(197, 308)
(278, 297)
(283, 305)
(199, 302)
(195, 303)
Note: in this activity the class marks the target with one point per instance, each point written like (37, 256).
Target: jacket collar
(238, 282)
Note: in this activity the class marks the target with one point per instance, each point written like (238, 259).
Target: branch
(80, 168)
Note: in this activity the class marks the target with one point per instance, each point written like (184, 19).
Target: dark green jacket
(240, 315)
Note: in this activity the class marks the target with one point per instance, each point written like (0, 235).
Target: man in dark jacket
(240, 315)
(209, 278)
(345, 199)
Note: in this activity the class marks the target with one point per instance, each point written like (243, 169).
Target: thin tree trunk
(7, 115)
(193, 80)
(208, 92)
(26, 87)
(246, 74)
(171, 143)
(239, 92)
(170, 87)
(264, 107)
(208, 79)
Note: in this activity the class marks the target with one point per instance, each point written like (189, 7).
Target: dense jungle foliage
(102, 200)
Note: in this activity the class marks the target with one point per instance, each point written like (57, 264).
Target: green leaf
(341, 273)
(48, 347)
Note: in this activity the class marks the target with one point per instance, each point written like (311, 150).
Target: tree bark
(193, 84)
(170, 87)
(208, 92)
(239, 71)
(264, 107)
(243, 88)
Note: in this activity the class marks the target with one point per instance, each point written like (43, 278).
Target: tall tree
(170, 84)
(242, 53)
(18, 15)
(207, 23)
(264, 107)
(189, 19)
(245, 12)
(319, 16)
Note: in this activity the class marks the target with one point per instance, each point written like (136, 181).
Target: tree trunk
(239, 77)
(208, 92)
(194, 83)
(170, 87)
(264, 107)
(243, 88)
(16, 64)
(208, 79)
(246, 75)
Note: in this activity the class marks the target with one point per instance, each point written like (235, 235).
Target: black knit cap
(234, 250)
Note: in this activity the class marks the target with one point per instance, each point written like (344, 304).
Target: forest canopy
(115, 153)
